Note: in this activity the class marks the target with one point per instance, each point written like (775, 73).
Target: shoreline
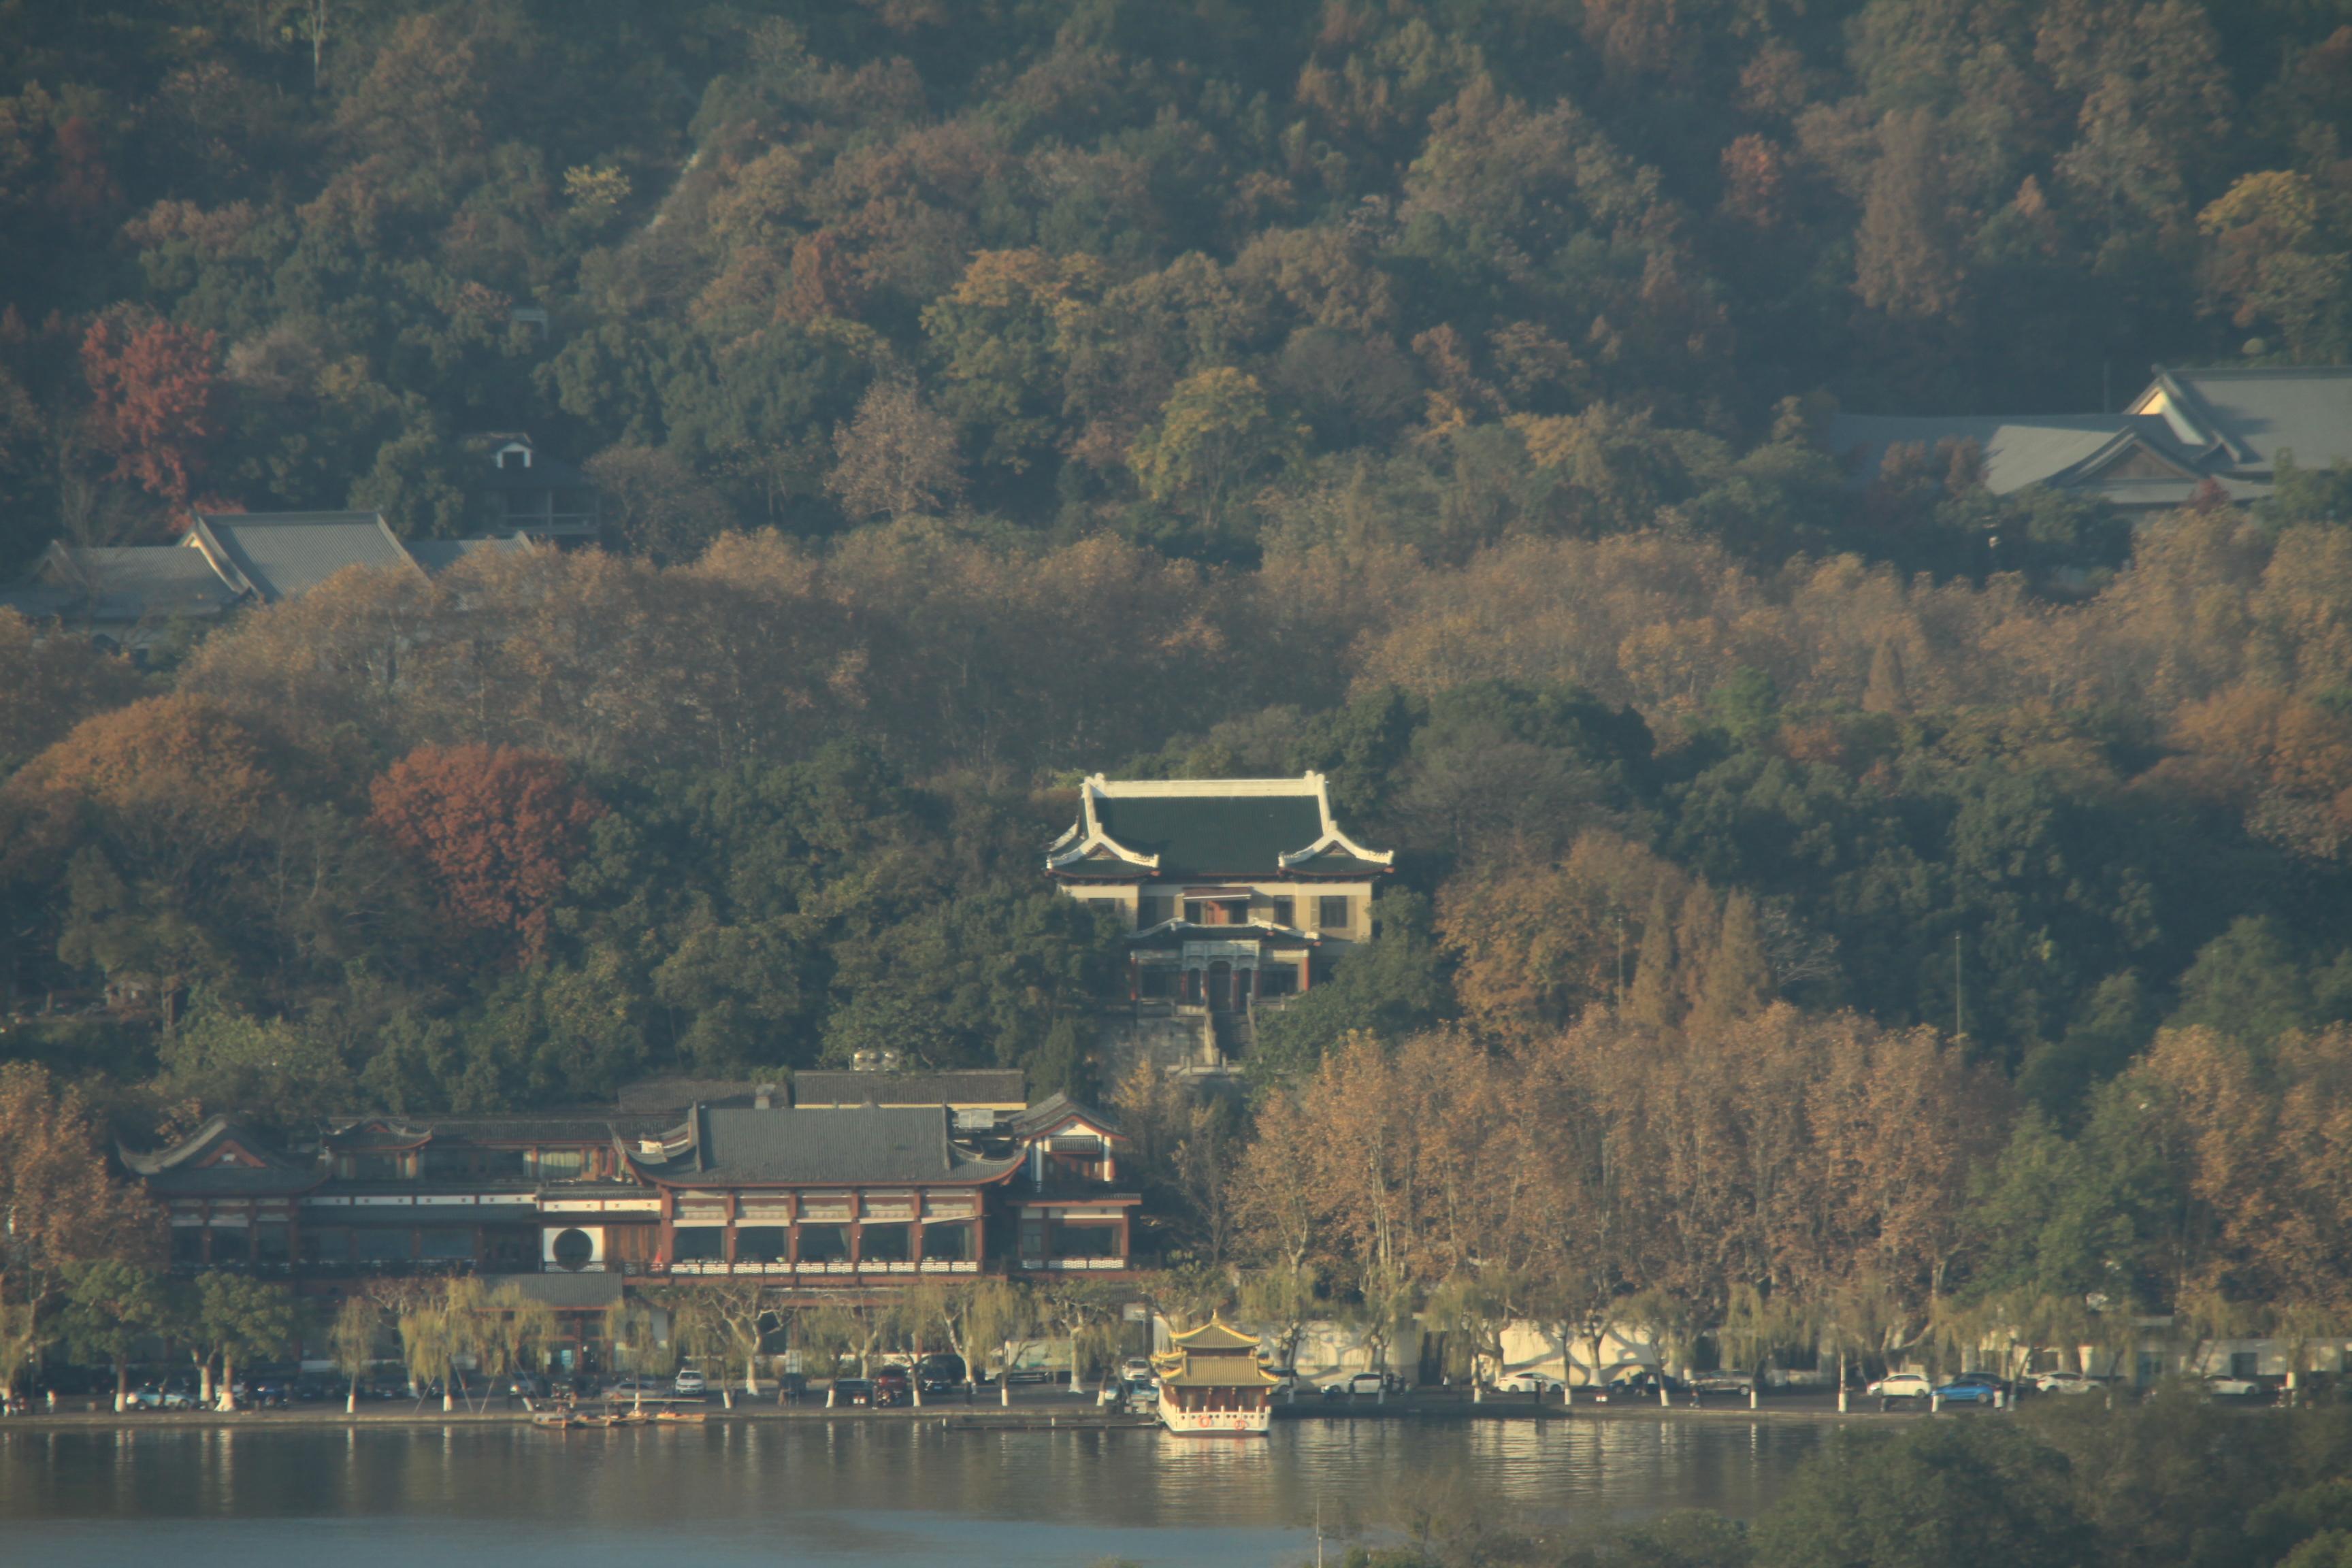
(948, 1418)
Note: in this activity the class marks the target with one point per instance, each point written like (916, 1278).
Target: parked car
(1135, 1366)
(527, 1385)
(1737, 1384)
(2063, 1382)
(1641, 1387)
(1143, 1392)
(1901, 1385)
(1286, 1381)
(689, 1380)
(641, 1388)
(1366, 1384)
(2226, 1387)
(893, 1386)
(1021, 1374)
(940, 1373)
(1971, 1388)
(853, 1391)
(163, 1396)
(1534, 1382)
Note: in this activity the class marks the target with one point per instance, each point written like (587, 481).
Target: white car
(1527, 1382)
(2065, 1382)
(1135, 1366)
(1370, 1382)
(1901, 1385)
(2233, 1387)
(690, 1381)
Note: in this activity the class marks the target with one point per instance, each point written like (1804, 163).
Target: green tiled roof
(1213, 836)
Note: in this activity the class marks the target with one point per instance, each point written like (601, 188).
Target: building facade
(830, 1195)
(1234, 894)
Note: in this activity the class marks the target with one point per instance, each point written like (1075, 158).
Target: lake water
(869, 1494)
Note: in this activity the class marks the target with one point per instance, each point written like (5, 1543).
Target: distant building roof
(1159, 829)
(988, 1087)
(2057, 449)
(437, 555)
(569, 1292)
(854, 1146)
(113, 588)
(1058, 1110)
(221, 1156)
(2229, 428)
(281, 554)
(2257, 414)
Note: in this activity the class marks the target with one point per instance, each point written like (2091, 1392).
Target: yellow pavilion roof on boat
(1214, 1355)
(1215, 1334)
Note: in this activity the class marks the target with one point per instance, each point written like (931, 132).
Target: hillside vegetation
(1428, 394)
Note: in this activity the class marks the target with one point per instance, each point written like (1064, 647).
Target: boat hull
(1217, 1423)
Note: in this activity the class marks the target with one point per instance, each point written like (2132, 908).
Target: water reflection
(860, 1493)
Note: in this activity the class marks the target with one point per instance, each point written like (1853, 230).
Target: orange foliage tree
(60, 1204)
(496, 826)
(155, 398)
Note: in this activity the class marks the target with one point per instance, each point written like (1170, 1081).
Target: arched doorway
(1221, 986)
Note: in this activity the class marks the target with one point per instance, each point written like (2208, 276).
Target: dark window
(1150, 912)
(188, 1244)
(1196, 912)
(1085, 1240)
(326, 1245)
(1277, 980)
(884, 1244)
(270, 1242)
(380, 1246)
(759, 1244)
(701, 1244)
(446, 1242)
(510, 1246)
(952, 1242)
(2245, 1364)
(824, 1243)
(1331, 914)
(575, 1249)
(1285, 911)
(1157, 980)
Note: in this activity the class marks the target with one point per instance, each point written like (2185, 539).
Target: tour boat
(1211, 1384)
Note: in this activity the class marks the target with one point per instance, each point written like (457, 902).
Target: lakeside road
(1033, 1412)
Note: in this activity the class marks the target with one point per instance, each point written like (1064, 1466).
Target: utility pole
(1959, 995)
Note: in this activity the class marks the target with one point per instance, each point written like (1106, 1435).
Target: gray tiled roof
(2274, 410)
(437, 555)
(567, 1292)
(852, 1146)
(1200, 836)
(288, 553)
(121, 586)
(2018, 451)
(983, 1087)
(1056, 1109)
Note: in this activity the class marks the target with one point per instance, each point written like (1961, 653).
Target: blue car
(1969, 1388)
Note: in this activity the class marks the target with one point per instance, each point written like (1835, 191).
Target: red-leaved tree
(155, 399)
(496, 829)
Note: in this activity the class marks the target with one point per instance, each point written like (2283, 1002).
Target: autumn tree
(1216, 435)
(897, 458)
(64, 1211)
(496, 829)
(156, 401)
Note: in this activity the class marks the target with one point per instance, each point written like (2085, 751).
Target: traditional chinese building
(834, 1196)
(1234, 893)
(1211, 1384)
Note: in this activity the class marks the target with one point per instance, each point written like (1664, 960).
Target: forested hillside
(1431, 395)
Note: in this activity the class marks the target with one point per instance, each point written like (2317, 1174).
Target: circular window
(575, 1250)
